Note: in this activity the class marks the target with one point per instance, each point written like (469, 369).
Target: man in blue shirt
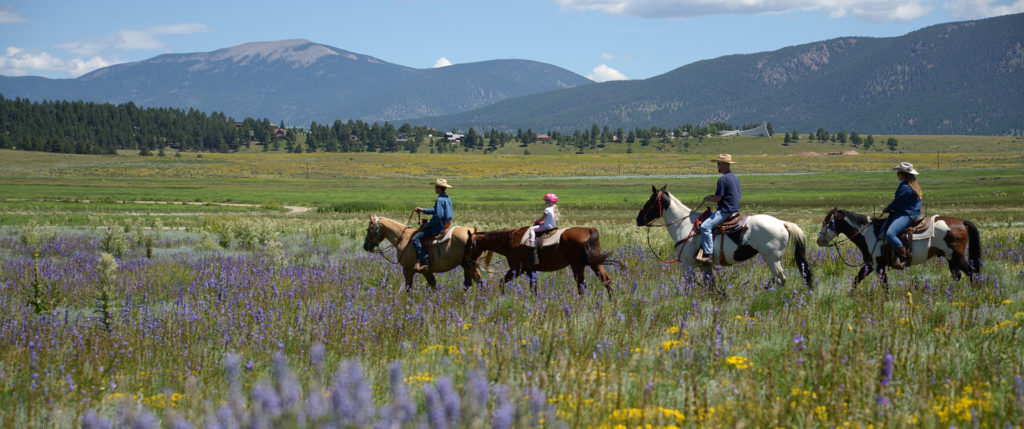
(442, 213)
(727, 195)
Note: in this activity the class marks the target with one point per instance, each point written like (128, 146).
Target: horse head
(654, 207)
(373, 234)
(828, 231)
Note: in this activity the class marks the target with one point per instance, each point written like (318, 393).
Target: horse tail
(595, 256)
(973, 246)
(800, 252)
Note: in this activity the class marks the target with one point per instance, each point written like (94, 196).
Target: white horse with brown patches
(759, 235)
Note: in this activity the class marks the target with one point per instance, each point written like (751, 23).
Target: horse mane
(501, 236)
(857, 218)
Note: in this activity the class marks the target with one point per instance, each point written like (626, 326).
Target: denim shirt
(729, 188)
(905, 203)
(442, 212)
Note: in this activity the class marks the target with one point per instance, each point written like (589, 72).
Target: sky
(600, 39)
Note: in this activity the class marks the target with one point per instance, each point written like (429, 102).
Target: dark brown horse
(955, 239)
(577, 248)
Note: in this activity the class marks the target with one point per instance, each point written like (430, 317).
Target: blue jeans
(707, 241)
(896, 226)
(417, 240)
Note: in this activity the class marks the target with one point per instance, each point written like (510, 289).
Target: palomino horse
(952, 239)
(760, 234)
(577, 248)
(444, 256)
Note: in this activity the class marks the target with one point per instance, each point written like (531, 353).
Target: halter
(681, 243)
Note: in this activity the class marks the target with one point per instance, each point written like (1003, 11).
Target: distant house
(353, 138)
(279, 133)
(403, 138)
(543, 138)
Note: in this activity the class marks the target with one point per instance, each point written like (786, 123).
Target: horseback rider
(904, 208)
(546, 222)
(442, 216)
(727, 195)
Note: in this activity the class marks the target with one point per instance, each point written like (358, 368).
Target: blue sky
(600, 39)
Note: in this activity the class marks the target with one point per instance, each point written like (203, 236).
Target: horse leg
(882, 274)
(469, 274)
(577, 273)
(778, 274)
(509, 275)
(605, 278)
(431, 281)
(408, 273)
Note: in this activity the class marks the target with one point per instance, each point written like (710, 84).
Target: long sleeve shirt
(442, 212)
(905, 203)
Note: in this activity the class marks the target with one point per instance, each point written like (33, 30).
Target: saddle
(441, 237)
(733, 226)
(920, 228)
(545, 238)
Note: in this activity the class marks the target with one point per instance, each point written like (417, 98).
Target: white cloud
(442, 62)
(21, 62)
(11, 17)
(603, 73)
(874, 10)
(974, 9)
(145, 39)
(607, 57)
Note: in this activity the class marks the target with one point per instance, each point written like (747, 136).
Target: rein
(398, 256)
(849, 238)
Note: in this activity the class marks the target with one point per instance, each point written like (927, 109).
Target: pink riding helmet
(551, 197)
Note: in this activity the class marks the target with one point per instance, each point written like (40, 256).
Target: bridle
(836, 242)
(378, 233)
(679, 244)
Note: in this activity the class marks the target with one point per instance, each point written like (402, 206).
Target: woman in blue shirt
(904, 208)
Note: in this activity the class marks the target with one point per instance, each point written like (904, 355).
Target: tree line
(94, 128)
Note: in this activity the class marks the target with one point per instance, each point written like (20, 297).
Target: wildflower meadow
(113, 314)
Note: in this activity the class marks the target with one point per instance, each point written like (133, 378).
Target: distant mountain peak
(299, 52)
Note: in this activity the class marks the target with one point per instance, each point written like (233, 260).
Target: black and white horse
(955, 239)
(761, 235)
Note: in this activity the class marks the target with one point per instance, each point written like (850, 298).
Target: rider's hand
(419, 209)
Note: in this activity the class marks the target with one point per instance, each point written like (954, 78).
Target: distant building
(543, 138)
(760, 131)
(452, 137)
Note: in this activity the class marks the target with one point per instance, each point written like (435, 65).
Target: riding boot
(901, 258)
(535, 255)
(423, 265)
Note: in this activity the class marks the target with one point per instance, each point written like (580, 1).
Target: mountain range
(299, 81)
(955, 78)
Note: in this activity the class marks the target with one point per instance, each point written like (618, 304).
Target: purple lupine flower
(449, 400)
(538, 403)
(141, 419)
(179, 422)
(504, 411)
(231, 362)
(92, 420)
(477, 388)
(435, 410)
(351, 397)
(886, 369)
(1018, 390)
(316, 356)
(288, 387)
(266, 400)
(798, 342)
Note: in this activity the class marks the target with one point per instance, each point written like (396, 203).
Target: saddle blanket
(928, 232)
(549, 239)
(444, 237)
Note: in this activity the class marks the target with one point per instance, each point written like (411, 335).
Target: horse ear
(654, 190)
(663, 187)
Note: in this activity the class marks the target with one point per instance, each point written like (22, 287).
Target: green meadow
(182, 291)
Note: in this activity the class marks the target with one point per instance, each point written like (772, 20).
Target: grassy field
(208, 315)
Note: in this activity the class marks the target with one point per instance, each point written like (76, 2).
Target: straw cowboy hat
(906, 167)
(441, 183)
(723, 157)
